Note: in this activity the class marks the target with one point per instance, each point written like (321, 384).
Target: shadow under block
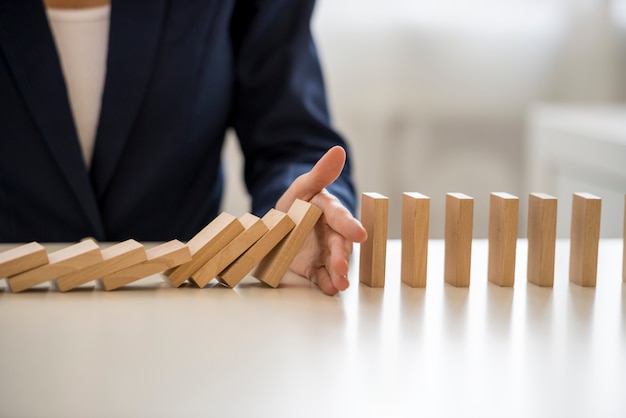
(23, 258)
(503, 219)
(414, 235)
(584, 239)
(459, 226)
(67, 260)
(205, 245)
(114, 258)
(254, 228)
(542, 211)
(274, 266)
(279, 224)
(373, 251)
(158, 259)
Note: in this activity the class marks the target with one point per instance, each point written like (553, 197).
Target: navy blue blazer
(179, 74)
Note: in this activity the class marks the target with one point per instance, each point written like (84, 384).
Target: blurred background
(476, 96)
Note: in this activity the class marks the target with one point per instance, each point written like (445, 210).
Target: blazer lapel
(134, 33)
(31, 53)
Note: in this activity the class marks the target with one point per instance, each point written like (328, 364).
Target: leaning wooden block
(279, 224)
(205, 245)
(584, 239)
(373, 252)
(503, 218)
(254, 228)
(159, 259)
(414, 235)
(459, 226)
(67, 260)
(23, 258)
(274, 266)
(542, 211)
(114, 258)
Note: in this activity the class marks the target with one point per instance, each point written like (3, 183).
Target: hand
(324, 257)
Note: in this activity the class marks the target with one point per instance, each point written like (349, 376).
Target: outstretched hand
(324, 257)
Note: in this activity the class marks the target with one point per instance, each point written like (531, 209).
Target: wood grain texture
(159, 259)
(414, 236)
(114, 258)
(279, 224)
(67, 260)
(542, 213)
(254, 228)
(373, 251)
(23, 258)
(205, 245)
(502, 236)
(459, 226)
(584, 239)
(274, 266)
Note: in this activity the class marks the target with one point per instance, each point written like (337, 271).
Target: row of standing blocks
(502, 239)
(228, 248)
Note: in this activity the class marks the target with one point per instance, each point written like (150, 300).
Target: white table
(154, 351)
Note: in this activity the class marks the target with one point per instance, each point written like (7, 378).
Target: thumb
(324, 172)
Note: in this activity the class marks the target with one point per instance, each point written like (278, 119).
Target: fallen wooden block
(205, 245)
(542, 212)
(274, 266)
(459, 226)
(159, 259)
(414, 235)
(254, 228)
(373, 251)
(279, 224)
(503, 219)
(67, 260)
(114, 258)
(584, 239)
(23, 258)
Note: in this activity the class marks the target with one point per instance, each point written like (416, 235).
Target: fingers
(339, 218)
(325, 172)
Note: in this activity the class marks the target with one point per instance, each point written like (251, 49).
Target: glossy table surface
(149, 350)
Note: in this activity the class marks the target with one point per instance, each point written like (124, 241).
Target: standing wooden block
(458, 239)
(373, 253)
(114, 258)
(279, 224)
(415, 222)
(23, 258)
(503, 218)
(274, 266)
(542, 210)
(159, 259)
(67, 260)
(205, 244)
(584, 239)
(254, 228)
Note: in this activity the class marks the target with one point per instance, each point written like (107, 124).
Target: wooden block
(459, 226)
(279, 224)
(205, 245)
(67, 260)
(159, 259)
(23, 258)
(373, 252)
(254, 228)
(542, 210)
(503, 219)
(414, 235)
(114, 258)
(274, 266)
(584, 239)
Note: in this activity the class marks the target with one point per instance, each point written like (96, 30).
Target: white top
(81, 37)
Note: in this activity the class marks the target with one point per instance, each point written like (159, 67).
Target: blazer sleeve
(280, 112)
